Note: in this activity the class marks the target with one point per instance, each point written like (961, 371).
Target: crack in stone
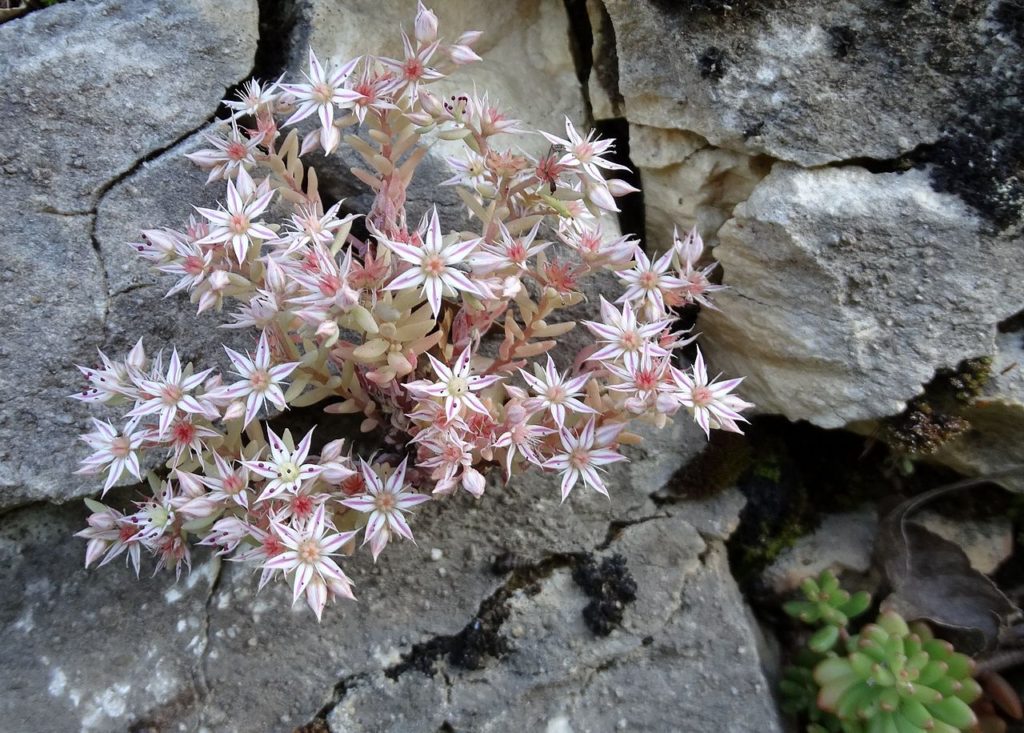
(199, 673)
(492, 610)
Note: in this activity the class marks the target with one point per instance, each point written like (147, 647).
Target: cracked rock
(96, 86)
(96, 650)
(848, 290)
(677, 644)
(993, 443)
(688, 183)
(90, 90)
(799, 80)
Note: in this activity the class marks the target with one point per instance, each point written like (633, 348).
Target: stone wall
(857, 167)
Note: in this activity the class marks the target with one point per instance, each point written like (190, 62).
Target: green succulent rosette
(895, 679)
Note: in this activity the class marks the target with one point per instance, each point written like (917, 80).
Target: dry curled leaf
(932, 579)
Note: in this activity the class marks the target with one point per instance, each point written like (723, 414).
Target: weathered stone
(672, 646)
(94, 88)
(218, 661)
(528, 68)
(800, 80)
(162, 193)
(97, 86)
(843, 542)
(849, 289)
(688, 183)
(53, 305)
(93, 650)
(993, 444)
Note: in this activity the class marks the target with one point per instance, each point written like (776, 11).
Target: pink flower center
(193, 265)
(702, 396)
(648, 280)
(309, 551)
(233, 484)
(183, 432)
(120, 446)
(260, 380)
(433, 265)
(302, 506)
(385, 501)
(556, 394)
(171, 394)
(646, 379)
(413, 69)
(272, 546)
(579, 458)
(237, 151)
(239, 223)
(630, 341)
(323, 93)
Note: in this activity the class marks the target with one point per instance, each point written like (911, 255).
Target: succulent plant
(894, 679)
(829, 605)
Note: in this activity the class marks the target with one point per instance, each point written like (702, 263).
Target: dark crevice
(481, 638)
(12, 9)
(1013, 324)
(617, 526)
(319, 722)
(581, 42)
(607, 582)
(275, 46)
(200, 672)
(632, 214)
(899, 164)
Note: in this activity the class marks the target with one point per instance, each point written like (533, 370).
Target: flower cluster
(439, 339)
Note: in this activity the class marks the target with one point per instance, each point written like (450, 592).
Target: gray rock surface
(95, 87)
(842, 543)
(530, 37)
(561, 676)
(848, 290)
(994, 444)
(208, 653)
(800, 80)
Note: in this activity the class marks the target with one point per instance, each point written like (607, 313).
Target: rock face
(561, 677)
(95, 88)
(799, 80)
(434, 623)
(992, 445)
(849, 289)
(530, 37)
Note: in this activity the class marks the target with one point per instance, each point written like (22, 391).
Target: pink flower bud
(426, 25)
(430, 103)
(468, 38)
(235, 411)
(460, 54)
(327, 334)
(618, 187)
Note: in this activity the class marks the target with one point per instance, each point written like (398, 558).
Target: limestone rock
(800, 80)
(986, 542)
(93, 650)
(95, 88)
(560, 676)
(843, 542)
(209, 651)
(993, 444)
(689, 183)
(530, 37)
(849, 289)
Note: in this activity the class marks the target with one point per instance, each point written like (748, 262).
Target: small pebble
(436, 554)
